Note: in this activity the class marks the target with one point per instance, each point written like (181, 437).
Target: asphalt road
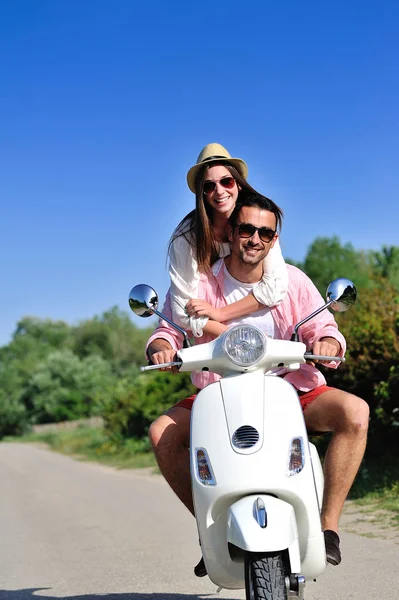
(78, 530)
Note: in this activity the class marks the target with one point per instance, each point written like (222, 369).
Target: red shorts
(305, 398)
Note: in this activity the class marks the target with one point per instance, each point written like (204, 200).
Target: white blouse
(184, 277)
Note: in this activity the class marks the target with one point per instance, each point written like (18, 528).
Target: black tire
(265, 577)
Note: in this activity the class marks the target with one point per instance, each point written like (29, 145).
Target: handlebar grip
(161, 366)
(309, 356)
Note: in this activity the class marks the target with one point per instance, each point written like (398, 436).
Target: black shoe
(333, 553)
(200, 569)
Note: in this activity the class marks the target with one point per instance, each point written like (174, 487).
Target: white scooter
(257, 482)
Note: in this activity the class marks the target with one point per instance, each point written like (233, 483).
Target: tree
(33, 340)
(386, 264)
(63, 387)
(371, 330)
(327, 259)
(114, 337)
(13, 415)
(45, 331)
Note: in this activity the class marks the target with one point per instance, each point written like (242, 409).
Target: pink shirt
(301, 300)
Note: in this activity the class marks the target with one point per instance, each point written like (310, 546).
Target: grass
(385, 500)
(94, 445)
(376, 487)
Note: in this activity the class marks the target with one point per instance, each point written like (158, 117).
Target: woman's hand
(200, 308)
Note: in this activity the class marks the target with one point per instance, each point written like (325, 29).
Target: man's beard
(257, 258)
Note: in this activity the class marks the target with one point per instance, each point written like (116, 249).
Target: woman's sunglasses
(246, 230)
(227, 182)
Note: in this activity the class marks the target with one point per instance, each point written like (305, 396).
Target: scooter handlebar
(309, 356)
(161, 366)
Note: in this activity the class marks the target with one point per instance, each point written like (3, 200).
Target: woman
(201, 238)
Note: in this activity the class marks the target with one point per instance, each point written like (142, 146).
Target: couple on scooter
(226, 268)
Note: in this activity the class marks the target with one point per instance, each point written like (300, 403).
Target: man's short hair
(252, 199)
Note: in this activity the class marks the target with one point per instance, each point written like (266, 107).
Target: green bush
(371, 330)
(137, 403)
(63, 387)
(13, 415)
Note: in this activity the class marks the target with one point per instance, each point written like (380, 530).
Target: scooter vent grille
(245, 437)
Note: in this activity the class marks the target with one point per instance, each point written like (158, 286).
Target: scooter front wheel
(265, 576)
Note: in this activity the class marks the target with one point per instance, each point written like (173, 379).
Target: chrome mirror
(341, 294)
(143, 300)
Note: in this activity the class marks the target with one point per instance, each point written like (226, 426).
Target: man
(252, 233)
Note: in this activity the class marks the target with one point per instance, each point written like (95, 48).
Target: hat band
(213, 157)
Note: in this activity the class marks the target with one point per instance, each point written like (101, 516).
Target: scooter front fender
(273, 529)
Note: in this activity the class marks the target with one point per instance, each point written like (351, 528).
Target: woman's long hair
(197, 226)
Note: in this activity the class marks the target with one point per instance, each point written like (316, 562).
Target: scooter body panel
(244, 531)
(269, 405)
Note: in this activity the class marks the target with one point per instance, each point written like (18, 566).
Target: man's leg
(347, 416)
(170, 439)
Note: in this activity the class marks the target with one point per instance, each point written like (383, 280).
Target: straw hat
(214, 153)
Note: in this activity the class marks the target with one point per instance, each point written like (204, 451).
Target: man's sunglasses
(246, 230)
(227, 182)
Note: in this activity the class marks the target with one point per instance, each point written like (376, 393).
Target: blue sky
(105, 105)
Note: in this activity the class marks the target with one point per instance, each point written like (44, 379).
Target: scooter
(257, 482)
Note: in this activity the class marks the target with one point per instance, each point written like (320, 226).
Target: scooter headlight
(244, 345)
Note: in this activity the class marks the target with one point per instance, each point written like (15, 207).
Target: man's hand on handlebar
(327, 346)
(159, 352)
(165, 356)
